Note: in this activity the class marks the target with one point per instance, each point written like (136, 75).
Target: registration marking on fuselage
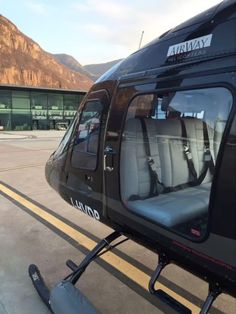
(85, 209)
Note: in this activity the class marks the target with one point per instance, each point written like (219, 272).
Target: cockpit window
(85, 148)
(63, 146)
(169, 150)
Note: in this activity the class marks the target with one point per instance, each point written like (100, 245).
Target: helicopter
(151, 153)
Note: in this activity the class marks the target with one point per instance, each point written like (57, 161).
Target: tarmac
(37, 226)
(9, 135)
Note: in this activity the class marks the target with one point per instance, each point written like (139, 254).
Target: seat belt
(156, 187)
(208, 160)
(207, 152)
(187, 152)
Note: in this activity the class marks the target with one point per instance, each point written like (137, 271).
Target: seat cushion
(174, 208)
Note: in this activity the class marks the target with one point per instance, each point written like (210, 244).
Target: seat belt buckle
(207, 154)
(187, 152)
(151, 163)
(189, 156)
(150, 160)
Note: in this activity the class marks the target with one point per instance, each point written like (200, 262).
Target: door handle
(109, 154)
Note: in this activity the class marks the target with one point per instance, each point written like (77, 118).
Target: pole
(141, 38)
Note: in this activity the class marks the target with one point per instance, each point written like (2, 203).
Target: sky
(97, 31)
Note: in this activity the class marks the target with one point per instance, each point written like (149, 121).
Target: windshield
(63, 146)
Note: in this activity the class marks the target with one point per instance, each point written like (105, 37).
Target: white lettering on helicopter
(190, 45)
(35, 276)
(85, 209)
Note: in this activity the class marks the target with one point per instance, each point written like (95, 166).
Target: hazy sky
(95, 31)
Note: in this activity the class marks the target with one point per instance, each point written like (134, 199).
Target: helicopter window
(85, 148)
(64, 144)
(169, 149)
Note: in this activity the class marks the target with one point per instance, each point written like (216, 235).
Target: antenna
(141, 38)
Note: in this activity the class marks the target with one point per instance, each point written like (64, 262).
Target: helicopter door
(165, 166)
(85, 165)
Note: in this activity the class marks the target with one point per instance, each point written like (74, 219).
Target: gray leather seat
(174, 208)
(166, 145)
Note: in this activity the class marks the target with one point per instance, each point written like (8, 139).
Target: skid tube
(215, 290)
(58, 300)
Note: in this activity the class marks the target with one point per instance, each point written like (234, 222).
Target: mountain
(71, 63)
(24, 62)
(96, 70)
(68, 61)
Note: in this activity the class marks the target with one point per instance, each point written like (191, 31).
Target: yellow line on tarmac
(130, 271)
(21, 167)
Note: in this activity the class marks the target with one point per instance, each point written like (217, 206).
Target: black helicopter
(152, 154)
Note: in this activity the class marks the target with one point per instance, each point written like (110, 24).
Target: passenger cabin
(152, 150)
(168, 156)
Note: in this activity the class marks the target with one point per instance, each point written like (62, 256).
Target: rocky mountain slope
(71, 63)
(96, 70)
(24, 62)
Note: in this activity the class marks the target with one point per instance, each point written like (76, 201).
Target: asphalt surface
(37, 226)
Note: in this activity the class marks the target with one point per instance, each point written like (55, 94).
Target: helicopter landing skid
(39, 284)
(214, 291)
(65, 297)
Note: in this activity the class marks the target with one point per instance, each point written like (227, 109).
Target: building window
(21, 114)
(55, 109)
(169, 149)
(20, 100)
(71, 104)
(39, 106)
(5, 110)
(85, 149)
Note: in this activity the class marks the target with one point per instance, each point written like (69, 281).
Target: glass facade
(5, 109)
(21, 115)
(39, 110)
(22, 109)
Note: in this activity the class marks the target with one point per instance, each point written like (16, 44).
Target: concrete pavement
(9, 135)
(25, 239)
